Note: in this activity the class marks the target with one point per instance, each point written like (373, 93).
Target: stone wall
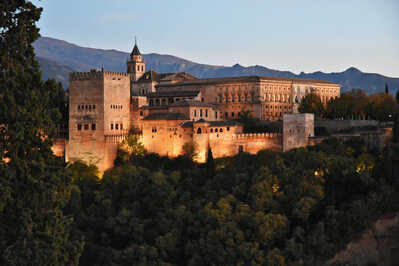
(99, 105)
(337, 125)
(297, 128)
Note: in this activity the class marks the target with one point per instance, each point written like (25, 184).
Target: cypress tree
(210, 164)
(395, 133)
(386, 88)
(33, 183)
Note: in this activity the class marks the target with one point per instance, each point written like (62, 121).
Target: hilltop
(57, 58)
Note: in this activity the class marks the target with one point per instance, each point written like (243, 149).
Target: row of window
(116, 126)
(277, 107)
(201, 113)
(233, 99)
(86, 126)
(116, 106)
(162, 101)
(89, 107)
(216, 130)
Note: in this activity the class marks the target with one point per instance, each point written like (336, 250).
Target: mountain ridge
(58, 57)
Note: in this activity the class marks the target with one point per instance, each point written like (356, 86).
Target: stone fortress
(170, 109)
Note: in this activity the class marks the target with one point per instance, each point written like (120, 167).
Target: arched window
(199, 131)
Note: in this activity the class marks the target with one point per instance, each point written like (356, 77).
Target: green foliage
(34, 185)
(298, 207)
(311, 103)
(190, 150)
(356, 104)
(131, 146)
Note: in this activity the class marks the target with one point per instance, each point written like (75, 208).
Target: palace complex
(170, 109)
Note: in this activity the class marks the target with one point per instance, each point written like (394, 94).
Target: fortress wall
(226, 144)
(337, 125)
(169, 138)
(297, 128)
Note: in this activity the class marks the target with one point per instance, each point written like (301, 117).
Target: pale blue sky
(306, 35)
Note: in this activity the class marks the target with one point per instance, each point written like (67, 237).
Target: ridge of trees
(298, 207)
(354, 104)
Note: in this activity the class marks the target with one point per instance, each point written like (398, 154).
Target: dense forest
(298, 207)
(293, 208)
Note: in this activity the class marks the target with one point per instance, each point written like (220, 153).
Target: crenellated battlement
(96, 75)
(109, 74)
(93, 75)
(245, 136)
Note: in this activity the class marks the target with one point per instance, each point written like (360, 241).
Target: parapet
(97, 75)
(256, 135)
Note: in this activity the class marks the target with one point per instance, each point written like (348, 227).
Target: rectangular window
(195, 112)
(121, 126)
(116, 126)
(216, 114)
(200, 112)
(206, 112)
(93, 126)
(141, 113)
(78, 107)
(86, 126)
(79, 127)
(94, 107)
(112, 126)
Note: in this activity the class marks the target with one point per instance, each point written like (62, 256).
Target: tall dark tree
(386, 88)
(397, 96)
(33, 183)
(210, 163)
(395, 133)
(311, 103)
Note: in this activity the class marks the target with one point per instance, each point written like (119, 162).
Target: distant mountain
(57, 58)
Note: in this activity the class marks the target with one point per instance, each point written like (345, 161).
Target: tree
(397, 97)
(386, 88)
(131, 146)
(34, 186)
(311, 103)
(395, 133)
(190, 150)
(210, 163)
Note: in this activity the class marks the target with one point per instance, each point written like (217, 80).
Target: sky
(292, 35)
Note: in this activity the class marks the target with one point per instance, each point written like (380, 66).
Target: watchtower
(135, 64)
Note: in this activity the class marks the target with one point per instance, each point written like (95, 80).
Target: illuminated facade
(168, 110)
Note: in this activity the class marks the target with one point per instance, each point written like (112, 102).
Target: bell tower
(135, 64)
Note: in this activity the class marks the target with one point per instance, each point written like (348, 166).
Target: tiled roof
(224, 123)
(154, 107)
(181, 93)
(166, 116)
(191, 103)
(212, 123)
(244, 79)
(155, 76)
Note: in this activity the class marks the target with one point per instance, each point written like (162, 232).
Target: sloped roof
(180, 93)
(244, 79)
(155, 76)
(166, 116)
(191, 103)
(135, 50)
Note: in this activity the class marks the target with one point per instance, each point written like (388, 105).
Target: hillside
(58, 58)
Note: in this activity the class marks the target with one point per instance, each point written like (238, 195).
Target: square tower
(98, 116)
